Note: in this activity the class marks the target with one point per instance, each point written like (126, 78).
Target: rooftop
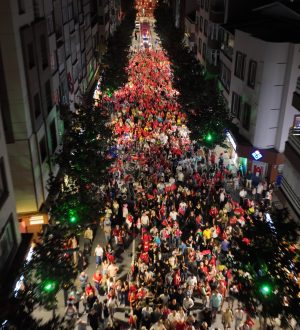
(268, 28)
(277, 21)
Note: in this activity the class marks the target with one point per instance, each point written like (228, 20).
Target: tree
(116, 58)
(199, 97)
(266, 266)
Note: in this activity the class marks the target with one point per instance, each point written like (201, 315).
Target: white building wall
(288, 112)
(267, 109)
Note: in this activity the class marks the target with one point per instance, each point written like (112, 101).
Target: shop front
(232, 149)
(33, 223)
(264, 164)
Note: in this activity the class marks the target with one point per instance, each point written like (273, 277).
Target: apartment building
(48, 60)
(109, 16)
(9, 232)
(259, 67)
(291, 171)
(189, 33)
(209, 16)
(179, 10)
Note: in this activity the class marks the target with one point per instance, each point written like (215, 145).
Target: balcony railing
(296, 99)
(290, 195)
(228, 51)
(292, 147)
(294, 138)
(213, 43)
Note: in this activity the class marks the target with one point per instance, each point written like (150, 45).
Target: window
(204, 50)
(21, 5)
(30, 52)
(206, 5)
(48, 95)
(246, 116)
(50, 24)
(7, 241)
(100, 20)
(37, 105)
(3, 183)
(236, 105)
(201, 23)
(225, 76)
(65, 14)
(53, 136)
(70, 11)
(44, 53)
(43, 150)
(205, 27)
(252, 73)
(240, 62)
(200, 46)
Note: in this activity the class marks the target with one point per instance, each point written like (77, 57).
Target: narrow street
(155, 161)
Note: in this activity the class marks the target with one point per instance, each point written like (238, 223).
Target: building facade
(49, 59)
(291, 172)
(209, 16)
(259, 66)
(9, 229)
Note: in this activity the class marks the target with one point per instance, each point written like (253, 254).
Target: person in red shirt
(116, 233)
(89, 289)
(97, 278)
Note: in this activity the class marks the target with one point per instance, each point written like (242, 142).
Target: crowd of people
(170, 194)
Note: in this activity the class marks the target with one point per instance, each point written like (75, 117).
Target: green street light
(208, 137)
(265, 289)
(49, 286)
(73, 216)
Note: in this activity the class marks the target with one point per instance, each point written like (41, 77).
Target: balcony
(227, 50)
(296, 100)
(292, 147)
(290, 195)
(216, 15)
(213, 43)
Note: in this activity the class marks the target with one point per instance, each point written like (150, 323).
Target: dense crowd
(171, 195)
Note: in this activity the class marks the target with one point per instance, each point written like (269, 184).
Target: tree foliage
(199, 97)
(74, 198)
(266, 270)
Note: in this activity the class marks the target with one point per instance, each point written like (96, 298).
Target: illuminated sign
(231, 140)
(256, 155)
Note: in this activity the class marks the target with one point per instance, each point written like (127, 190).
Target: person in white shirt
(180, 176)
(259, 190)
(243, 194)
(238, 316)
(159, 325)
(145, 220)
(99, 255)
(192, 281)
(188, 303)
(146, 312)
(173, 215)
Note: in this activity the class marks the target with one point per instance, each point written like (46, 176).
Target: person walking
(107, 229)
(88, 239)
(99, 252)
(215, 303)
(243, 194)
(93, 319)
(70, 315)
(227, 318)
(238, 317)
